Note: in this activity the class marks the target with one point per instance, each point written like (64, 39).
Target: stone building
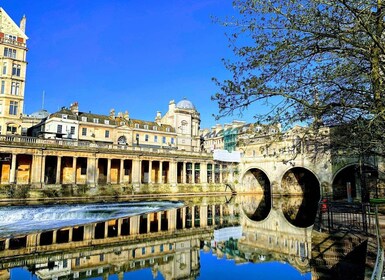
(13, 60)
(177, 129)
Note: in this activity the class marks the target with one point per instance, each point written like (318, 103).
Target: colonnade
(42, 167)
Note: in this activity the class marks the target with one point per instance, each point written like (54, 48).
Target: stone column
(71, 233)
(74, 160)
(119, 227)
(193, 172)
(12, 176)
(92, 171)
(184, 173)
(108, 171)
(149, 171)
(220, 174)
(160, 181)
(203, 173)
(121, 172)
(173, 172)
(58, 170)
(42, 169)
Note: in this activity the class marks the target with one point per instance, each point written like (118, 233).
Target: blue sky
(124, 54)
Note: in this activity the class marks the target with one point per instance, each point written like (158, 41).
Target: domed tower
(186, 120)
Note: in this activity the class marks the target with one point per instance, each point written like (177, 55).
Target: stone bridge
(300, 173)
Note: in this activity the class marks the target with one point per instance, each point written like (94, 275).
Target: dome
(185, 104)
(40, 114)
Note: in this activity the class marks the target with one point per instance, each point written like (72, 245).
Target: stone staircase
(338, 256)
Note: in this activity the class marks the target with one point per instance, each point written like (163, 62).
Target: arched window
(122, 140)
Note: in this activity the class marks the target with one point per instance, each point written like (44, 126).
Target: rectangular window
(145, 126)
(8, 52)
(106, 122)
(146, 137)
(154, 128)
(1, 107)
(64, 117)
(5, 68)
(16, 70)
(13, 107)
(164, 140)
(72, 130)
(84, 119)
(2, 87)
(172, 140)
(15, 88)
(59, 128)
(96, 120)
(107, 134)
(84, 131)
(155, 138)
(136, 125)
(167, 129)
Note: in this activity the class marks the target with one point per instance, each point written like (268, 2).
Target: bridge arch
(256, 180)
(355, 176)
(256, 208)
(300, 181)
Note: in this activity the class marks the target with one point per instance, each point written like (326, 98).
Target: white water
(16, 220)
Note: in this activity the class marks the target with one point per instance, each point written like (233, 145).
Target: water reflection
(169, 243)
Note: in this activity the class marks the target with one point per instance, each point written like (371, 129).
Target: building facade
(13, 60)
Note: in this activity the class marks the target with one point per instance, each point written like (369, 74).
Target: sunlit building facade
(13, 62)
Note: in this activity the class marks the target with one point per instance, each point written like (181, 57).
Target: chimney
(23, 23)
(75, 108)
(171, 106)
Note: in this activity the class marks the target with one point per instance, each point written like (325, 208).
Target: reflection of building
(167, 241)
(13, 71)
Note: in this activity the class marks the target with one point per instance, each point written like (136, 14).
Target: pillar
(203, 172)
(149, 171)
(136, 171)
(173, 172)
(92, 174)
(161, 172)
(74, 161)
(12, 177)
(58, 169)
(184, 173)
(193, 172)
(42, 169)
(121, 172)
(108, 171)
(220, 174)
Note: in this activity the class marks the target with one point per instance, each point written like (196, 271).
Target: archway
(256, 181)
(300, 181)
(303, 190)
(362, 182)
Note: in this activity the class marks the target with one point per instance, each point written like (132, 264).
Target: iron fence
(340, 216)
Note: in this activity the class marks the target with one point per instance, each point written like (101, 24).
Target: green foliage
(14, 191)
(312, 61)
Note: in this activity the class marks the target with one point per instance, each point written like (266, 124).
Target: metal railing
(379, 265)
(340, 216)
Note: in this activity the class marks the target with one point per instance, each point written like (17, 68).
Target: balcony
(12, 42)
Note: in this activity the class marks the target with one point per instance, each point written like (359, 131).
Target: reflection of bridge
(167, 241)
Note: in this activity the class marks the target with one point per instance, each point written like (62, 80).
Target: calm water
(193, 238)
